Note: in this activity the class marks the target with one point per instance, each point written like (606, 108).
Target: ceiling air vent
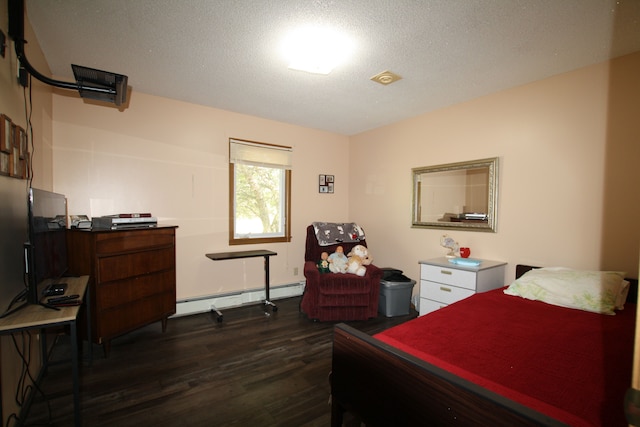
(386, 78)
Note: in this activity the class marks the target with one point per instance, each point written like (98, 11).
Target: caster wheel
(274, 309)
(219, 319)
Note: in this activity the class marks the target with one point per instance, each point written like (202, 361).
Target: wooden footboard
(384, 386)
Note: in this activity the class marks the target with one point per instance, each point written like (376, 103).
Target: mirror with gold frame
(459, 196)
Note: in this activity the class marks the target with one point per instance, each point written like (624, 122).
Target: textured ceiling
(225, 53)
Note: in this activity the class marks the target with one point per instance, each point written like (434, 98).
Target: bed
(491, 359)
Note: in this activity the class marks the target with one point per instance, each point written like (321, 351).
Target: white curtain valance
(257, 154)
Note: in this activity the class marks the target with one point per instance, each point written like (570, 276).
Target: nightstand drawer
(449, 276)
(442, 292)
(427, 306)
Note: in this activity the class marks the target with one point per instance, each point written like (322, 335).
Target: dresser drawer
(115, 293)
(129, 316)
(449, 276)
(427, 306)
(117, 242)
(442, 292)
(127, 265)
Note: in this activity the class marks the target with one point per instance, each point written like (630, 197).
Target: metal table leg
(77, 414)
(267, 302)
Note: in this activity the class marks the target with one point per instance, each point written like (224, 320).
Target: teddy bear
(357, 259)
(363, 253)
(338, 261)
(354, 266)
(323, 264)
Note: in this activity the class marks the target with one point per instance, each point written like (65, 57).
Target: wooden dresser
(132, 277)
(443, 283)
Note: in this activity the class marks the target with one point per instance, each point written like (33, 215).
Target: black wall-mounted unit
(90, 83)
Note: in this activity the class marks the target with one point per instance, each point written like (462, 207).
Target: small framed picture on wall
(21, 139)
(326, 183)
(6, 142)
(4, 163)
(15, 164)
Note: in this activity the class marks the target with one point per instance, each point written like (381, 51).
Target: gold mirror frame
(462, 196)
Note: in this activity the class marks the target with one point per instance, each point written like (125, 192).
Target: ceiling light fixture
(316, 50)
(386, 78)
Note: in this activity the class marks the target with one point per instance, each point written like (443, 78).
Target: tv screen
(47, 248)
(13, 235)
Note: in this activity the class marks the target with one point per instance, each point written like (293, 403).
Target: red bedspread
(569, 364)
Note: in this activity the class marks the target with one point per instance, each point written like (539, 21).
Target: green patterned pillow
(596, 291)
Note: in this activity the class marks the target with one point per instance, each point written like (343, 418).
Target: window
(259, 192)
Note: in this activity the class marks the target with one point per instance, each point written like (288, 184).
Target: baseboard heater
(204, 304)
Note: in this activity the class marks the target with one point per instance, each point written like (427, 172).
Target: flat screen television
(46, 251)
(14, 232)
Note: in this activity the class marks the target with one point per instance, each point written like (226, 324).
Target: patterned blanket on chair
(330, 233)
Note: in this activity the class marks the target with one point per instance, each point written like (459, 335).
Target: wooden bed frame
(384, 386)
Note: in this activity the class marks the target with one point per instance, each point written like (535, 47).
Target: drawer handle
(445, 272)
(442, 288)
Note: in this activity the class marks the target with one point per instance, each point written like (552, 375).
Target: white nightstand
(443, 283)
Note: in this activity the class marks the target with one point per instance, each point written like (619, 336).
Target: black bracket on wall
(3, 43)
(90, 83)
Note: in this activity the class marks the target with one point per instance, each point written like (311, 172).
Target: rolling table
(220, 256)
(35, 316)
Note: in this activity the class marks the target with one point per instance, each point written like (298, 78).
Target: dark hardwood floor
(249, 370)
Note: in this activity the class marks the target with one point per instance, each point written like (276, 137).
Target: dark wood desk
(220, 256)
(35, 316)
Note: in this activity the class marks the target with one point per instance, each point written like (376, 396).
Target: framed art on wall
(16, 169)
(14, 150)
(326, 183)
(4, 163)
(21, 141)
(6, 143)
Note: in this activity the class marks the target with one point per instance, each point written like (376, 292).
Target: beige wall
(569, 152)
(171, 159)
(12, 103)
(553, 138)
(13, 99)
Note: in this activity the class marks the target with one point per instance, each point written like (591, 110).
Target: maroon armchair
(336, 296)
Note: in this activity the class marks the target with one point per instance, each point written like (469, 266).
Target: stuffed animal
(362, 252)
(323, 264)
(358, 258)
(338, 261)
(354, 266)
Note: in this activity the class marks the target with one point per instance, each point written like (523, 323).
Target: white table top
(444, 262)
(34, 316)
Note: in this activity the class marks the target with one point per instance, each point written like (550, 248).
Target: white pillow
(622, 297)
(596, 291)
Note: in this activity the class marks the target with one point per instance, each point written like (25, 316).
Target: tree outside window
(260, 182)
